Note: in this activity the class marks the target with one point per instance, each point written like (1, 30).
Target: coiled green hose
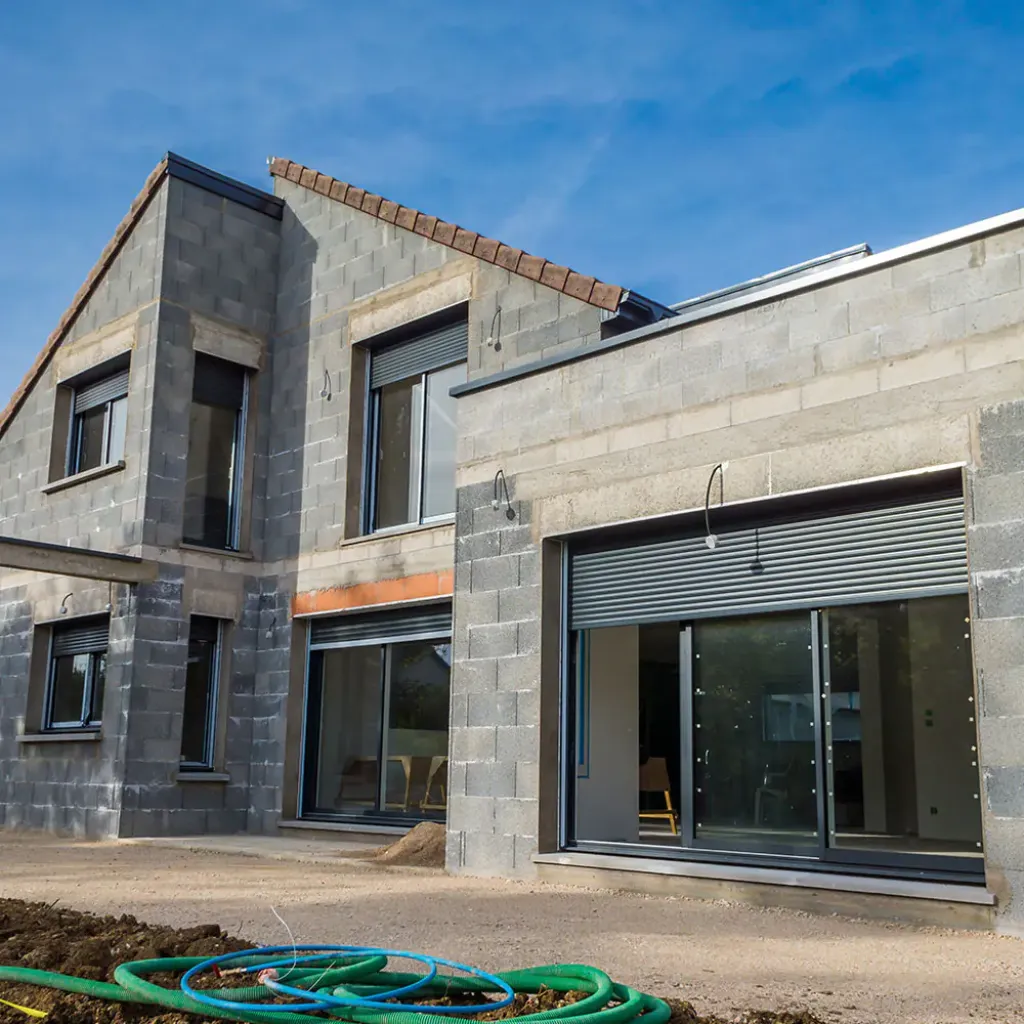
(605, 1002)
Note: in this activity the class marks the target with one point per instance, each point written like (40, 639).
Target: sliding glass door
(376, 741)
(835, 734)
(753, 730)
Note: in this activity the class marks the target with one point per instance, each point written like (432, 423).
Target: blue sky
(670, 147)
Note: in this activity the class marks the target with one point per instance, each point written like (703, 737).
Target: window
(377, 719)
(215, 453)
(77, 673)
(99, 417)
(199, 722)
(412, 420)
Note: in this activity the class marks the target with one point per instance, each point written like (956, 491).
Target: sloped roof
(93, 278)
(536, 268)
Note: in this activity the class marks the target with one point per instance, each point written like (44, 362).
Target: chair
(654, 779)
(438, 766)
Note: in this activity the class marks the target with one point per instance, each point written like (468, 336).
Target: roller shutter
(430, 351)
(903, 551)
(101, 392)
(81, 639)
(382, 627)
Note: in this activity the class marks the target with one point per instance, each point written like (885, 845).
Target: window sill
(66, 736)
(81, 478)
(399, 531)
(202, 776)
(223, 552)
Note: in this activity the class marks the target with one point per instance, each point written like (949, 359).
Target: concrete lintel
(35, 556)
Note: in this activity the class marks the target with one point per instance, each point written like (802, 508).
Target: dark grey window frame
(408, 338)
(825, 858)
(382, 630)
(237, 470)
(95, 650)
(212, 697)
(103, 393)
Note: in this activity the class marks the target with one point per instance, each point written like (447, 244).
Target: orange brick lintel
(422, 587)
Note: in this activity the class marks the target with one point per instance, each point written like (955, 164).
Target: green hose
(605, 1001)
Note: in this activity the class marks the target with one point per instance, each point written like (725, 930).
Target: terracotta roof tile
(508, 257)
(445, 233)
(486, 249)
(107, 257)
(406, 218)
(536, 268)
(388, 211)
(464, 240)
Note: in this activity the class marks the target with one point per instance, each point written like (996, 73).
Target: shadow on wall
(285, 453)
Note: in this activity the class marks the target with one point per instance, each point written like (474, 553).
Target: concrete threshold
(916, 902)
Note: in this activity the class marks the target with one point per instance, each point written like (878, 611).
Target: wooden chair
(654, 779)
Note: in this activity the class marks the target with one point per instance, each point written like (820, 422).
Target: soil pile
(50, 938)
(421, 847)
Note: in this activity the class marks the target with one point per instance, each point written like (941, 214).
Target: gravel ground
(723, 957)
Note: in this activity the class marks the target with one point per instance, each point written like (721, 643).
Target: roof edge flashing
(221, 185)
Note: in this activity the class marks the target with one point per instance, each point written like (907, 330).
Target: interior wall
(940, 676)
(607, 794)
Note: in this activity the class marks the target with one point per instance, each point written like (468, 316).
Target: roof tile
(579, 286)
(464, 240)
(508, 257)
(531, 266)
(535, 268)
(554, 276)
(445, 233)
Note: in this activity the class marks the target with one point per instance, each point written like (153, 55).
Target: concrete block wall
(494, 738)
(76, 787)
(996, 547)
(895, 369)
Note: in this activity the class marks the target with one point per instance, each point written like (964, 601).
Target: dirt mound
(50, 938)
(421, 847)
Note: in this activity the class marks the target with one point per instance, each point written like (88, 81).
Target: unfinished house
(320, 513)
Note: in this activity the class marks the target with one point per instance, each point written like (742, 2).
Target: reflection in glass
(208, 487)
(753, 730)
(417, 736)
(200, 693)
(400, 413)
(349, 723)
(70, 677)
(90, 427)
(901, 737)
(439, 445)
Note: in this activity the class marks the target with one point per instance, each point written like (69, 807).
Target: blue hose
(323, 1000)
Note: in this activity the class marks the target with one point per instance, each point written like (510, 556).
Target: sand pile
(421, 847)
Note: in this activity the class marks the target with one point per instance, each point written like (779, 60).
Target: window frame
(73, 451)
(309, 753)
(371, 461)
(212, 702)
(233, 540)
(85, 723)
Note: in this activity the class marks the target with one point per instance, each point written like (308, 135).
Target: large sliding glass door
(838, 734)
(752, 682)
(376, 729)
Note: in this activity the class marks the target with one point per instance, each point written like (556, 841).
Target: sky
(672, 147)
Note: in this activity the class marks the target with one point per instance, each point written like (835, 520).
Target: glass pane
(400, 412)
(89, 439)
(69, 677)
(118, 423)
(348, 730)
(417, 742)
(99, 681)
(439, 449)
(208, 488)
(198, 705)
(902, 739)
(754, 736)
